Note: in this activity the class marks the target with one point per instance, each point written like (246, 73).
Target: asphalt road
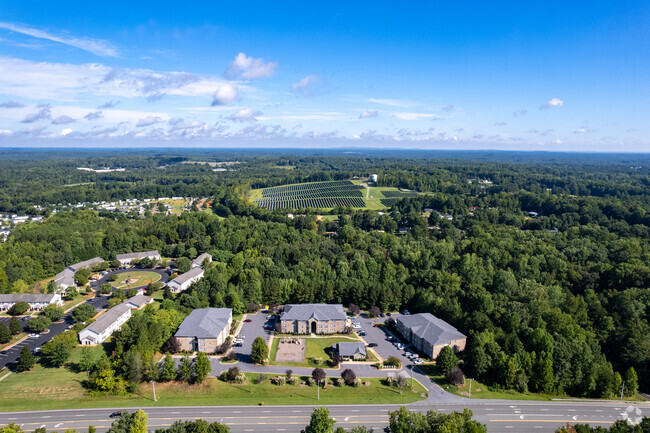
(11, 356)
(500, 416)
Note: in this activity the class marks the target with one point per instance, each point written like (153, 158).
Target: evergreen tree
(5, 333)
(14, 326)
(446, 359)
(185, 369)
(168, 371)
(26, 360)
(259, 351)
(202, 367)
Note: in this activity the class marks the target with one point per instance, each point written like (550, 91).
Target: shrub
(310, 381)
(393, 361)
(292, 380)
(356, 383)
(318, 361)
(261, 378)
(339, 381)
(455, 376)
(374, 311)
(278, 380)
(231, 356)
(348, 376)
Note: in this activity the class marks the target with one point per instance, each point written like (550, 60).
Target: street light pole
(154, 390)
(412, 367)
(622, 389)
(470, 388)
(318, 387)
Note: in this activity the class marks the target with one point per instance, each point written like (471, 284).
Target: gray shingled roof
(138, 300)
(316, 311)
(205, 323)
(182, 278)
(140, 255)
(108, 318)
(65, 277)
(199, 260)
(431, 329)
(350, 349)
(86, 263)
(26, 297)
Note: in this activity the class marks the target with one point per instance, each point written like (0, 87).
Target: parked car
(357, 326)
(388, 314)
(406, 312)
(248, 320)
(418, 361)
(33, 335)
(37, 350)
(382, 315)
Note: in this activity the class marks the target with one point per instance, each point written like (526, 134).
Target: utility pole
(622, 389)
(318, 387)
(412, 367)
(154, 390)
(470, 388)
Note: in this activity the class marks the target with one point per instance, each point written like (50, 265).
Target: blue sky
(460, 75)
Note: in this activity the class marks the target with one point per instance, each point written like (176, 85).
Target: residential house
(102, 328)
(36, 301)
(429, 334)
(183, 281)
(313, 318)
(198, 262)
(204, 329)
(352, 351)
(126, 259)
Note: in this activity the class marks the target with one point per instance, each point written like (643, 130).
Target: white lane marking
(598, 410)
(46, 416)
(175, 413)
(205, 412)
(80, 415)
(489, 409)
(544, 410)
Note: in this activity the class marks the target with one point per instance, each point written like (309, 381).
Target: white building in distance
(373, 178)
(183, 281)
(35, 301)
(125, 259)
(198, 262)
(102, 328)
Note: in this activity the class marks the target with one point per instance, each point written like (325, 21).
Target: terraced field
(321, 195)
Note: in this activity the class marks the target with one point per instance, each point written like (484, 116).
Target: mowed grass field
(137, 279)
(61, 388)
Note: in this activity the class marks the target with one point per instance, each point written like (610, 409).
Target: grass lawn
(315, 348)
(479, 390)
(75, 301)
(61, 388)
(177, 205)
(137, 278)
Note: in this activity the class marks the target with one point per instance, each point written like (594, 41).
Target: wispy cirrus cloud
(245, 115)
(390, 102)
(249, 67)
(519, 113)
(94, 115)
(415, 116)
(62, 120)
(148, 121)
(98, 47)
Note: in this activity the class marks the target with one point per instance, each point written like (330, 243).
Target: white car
(33, 335)
(418, 361)
(238, 341)
(356, 326)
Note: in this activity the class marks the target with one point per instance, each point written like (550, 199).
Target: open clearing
(133, 279)
(327, 195)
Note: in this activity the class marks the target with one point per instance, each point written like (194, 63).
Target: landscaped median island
(135, 278)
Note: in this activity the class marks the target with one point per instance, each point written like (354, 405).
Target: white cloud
(147, 121)
(304, 86)
(96, 46)
(62, 120)
(245, 115)
(108, 104)
(553, 103)
(582, 130)
(415, 116)
(225, 95)
(367, 114)
(249, 67)
(66, 131)
(519, 113)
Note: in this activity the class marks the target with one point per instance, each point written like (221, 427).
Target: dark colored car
(248, 320)
(116, 414)
(388, 314)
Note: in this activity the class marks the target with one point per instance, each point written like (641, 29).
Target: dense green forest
(556, 303)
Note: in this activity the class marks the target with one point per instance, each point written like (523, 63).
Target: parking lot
(377, 338)
(251, 330)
